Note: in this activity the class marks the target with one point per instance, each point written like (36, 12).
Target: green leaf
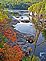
(35, 58)
(1, 46)
(44, 33)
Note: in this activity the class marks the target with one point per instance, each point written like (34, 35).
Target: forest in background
(17, 4)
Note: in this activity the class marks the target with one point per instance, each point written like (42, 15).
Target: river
(28, 28)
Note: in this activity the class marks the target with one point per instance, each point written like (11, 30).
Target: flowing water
(28, 28)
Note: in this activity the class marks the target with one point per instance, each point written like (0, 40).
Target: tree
(39, 24)
(12, 3)
(12, 53)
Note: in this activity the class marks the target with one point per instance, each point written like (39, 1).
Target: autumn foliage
(9, 33)
(12, 53)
